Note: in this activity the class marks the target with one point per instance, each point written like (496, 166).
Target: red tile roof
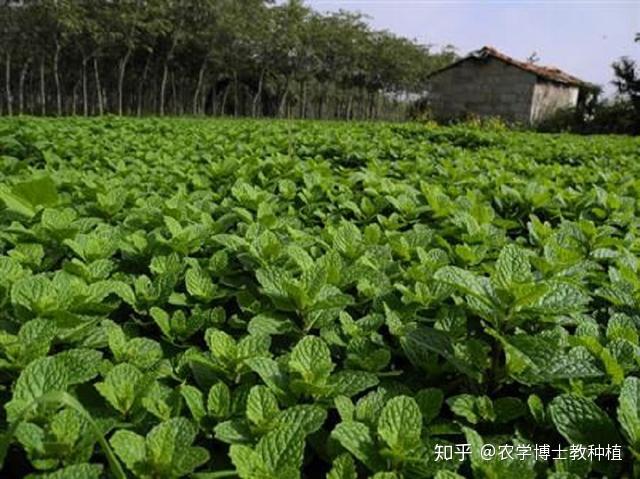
(546, 73)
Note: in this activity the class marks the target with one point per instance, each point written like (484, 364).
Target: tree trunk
(196, 93)
(174, 93)
(56, 78)
(283, 100)
(258, 95)
(349, 106)
(23, 78)
(321, 104)
(8, 83)
(224, 101)
(96, 72)
(303, 99)
(163, 85)
(74, 98)
(145, 72)
(122, 68)
(165, 77)
(374, 106)
(203, 98)
(155, 95)
(43, 93)
(236, 99)
(85, 90)
(214, 97)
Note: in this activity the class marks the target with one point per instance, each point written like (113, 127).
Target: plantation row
(275, 300)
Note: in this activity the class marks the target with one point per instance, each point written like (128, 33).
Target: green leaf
(219, 401)
(189, 460)
(473, 408)
(430, 402)
(301, 257)
(497, 466)
(168, 447)
(305, 417)
(536, 408)
(38, 294)
(561, 298)
(130, 448)
(56, 399)
(195, 401)
(356, 438)
(311, 359)
(444, 474)
(466, 282)
(10, 271)
(222, 346)
(419, 344)
(579, 420)
(400, 425)
(262, 406)
(74, 471)
(142, 352)
(270, 325)
(275, 285)
(346, 409)
(538, 359)
(369, 407)
(629, 410)
(25, 197)
(163, 320)
(343, 467)
(39, 377)
(245, 460)
(386, 475)
(234, 432)
(512, 267)
(199, 285)
(120, 387)
(253, 345)
(271, 373)
(349, 383)
(281, 451)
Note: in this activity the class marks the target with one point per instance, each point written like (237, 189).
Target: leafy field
(273, 300)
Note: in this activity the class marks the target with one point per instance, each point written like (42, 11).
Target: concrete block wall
(485, 88)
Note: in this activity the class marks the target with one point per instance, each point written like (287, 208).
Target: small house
(487, 83)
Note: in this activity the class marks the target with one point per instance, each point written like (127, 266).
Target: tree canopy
(203, 57)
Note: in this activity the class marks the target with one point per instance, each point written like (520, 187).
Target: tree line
(204, 57)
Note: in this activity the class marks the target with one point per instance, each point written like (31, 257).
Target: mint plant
(209, 299)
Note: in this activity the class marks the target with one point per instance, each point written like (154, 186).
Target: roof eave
(488, 52)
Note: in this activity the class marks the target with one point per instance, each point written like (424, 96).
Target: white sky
(581, 37)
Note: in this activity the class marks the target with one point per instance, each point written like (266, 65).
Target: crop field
(280, 300)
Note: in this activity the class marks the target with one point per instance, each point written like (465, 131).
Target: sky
(582, 38)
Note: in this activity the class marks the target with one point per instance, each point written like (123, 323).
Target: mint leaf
(311, 359)
(629, 410)
(120, 387)
(356, 438)
(400, 425)
(199, 285)
(579, 420)
(343, 468)
(512, 267)
(262, 406)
